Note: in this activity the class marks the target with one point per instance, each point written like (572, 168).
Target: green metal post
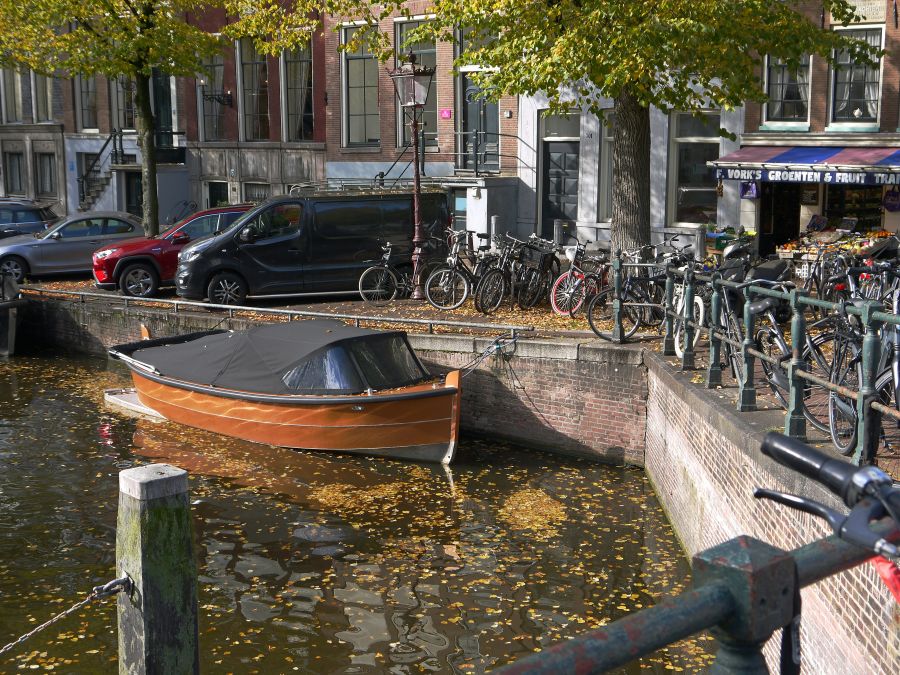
(714, 371)
(617, 332)
(687, 356)
(795, 419)
(868, 422)
(747, 393)
(669, 339)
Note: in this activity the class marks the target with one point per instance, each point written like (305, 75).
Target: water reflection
(330, 563)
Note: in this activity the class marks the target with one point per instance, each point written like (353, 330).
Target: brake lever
(810, 506)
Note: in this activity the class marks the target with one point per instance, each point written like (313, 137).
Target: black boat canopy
(318, 356)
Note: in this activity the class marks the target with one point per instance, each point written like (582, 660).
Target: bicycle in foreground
(746, 588)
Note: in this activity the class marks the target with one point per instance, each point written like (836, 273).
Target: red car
(140, 266)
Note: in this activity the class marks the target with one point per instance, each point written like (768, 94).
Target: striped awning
(811, 164)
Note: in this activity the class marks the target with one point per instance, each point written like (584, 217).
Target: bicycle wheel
(887, 456)
(647, 291)
(733, 355)
(490, 292)
(567, 292)
(600, 316)
(591, 286)
(531, 289)
(680, 334)
(818, 355)
(842, 409)
(446, 288)
(378, 285)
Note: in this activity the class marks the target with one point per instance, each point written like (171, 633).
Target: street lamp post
(412, 85)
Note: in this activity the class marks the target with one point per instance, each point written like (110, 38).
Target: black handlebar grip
(834, 474)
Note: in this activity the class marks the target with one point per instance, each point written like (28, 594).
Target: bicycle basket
(534, 256)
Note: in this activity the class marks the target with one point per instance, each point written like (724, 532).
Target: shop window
(212, 98)
(854, 208)
(43, 98)
(298, 94)
(694, 142)
(607, 131)
(362, 121)
(12, 96)
(856, 85)
(788, 91)
(14, 171)
(254, 82)
(45, 174)
(426, 56)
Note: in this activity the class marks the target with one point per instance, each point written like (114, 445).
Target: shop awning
(811, 164)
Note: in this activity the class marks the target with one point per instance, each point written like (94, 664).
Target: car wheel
(14, 266)
(227, 288)
(139, 280)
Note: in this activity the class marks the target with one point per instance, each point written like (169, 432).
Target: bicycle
(573, 287)
(539, 261)
(450, 285)
(384, 281)
(503, 279)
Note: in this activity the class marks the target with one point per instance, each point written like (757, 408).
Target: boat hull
(421, 423)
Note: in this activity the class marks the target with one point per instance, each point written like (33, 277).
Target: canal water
(320, 563)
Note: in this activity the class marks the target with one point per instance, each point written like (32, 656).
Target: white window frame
(78, 108)
(786, 125)
(867, 126)
(282, 68)
(53, 177)
(239, 73)
(34, 106)
(672, 172)
(399, 114)
(345, 104)
(16, 96)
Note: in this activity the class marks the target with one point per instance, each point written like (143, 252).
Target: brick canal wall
(576, 399)
(704, 461)
(613, 404)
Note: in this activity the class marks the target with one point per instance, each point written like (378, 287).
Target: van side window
(277, 221)
(347, 219)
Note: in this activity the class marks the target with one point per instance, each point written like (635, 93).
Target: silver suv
(23, 216)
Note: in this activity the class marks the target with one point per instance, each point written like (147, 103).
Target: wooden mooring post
(157, 619)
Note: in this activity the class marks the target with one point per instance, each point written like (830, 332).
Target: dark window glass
(788, 91)
(211, 95)
(298, 82)
(45, 174)
(125, 108)
(331, 370)
(255, 74)
(15, 183)
(43, 98)
(229, 218)
(386, 362)
(277, 221)
(114, 226)
(26, 216)
(857, 85)
(90, 227)
(88, 102)
(426, 55)
(200, 227)
(362, 121)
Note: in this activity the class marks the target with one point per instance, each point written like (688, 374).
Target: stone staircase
(95, 187)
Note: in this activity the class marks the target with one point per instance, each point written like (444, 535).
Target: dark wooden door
(560, 184)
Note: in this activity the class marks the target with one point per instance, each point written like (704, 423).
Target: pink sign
(446, 113)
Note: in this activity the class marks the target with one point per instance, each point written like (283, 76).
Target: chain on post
(102, 591)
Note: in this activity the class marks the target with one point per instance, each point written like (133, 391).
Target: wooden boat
(316, 385)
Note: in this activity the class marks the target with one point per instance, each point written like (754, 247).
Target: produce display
(833, 240)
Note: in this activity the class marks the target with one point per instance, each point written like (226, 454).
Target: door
(134, 193)
(559, 188)
(345, 239)
(71, 252)
(480, 127)
(779, 215)
(272, 249)
(216, 194)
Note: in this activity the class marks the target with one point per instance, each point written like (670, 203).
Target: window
(256, 192)
(298, 89)
(124, 101)
(788, 91)
(255, 84)
(90, 227)
(12, 96)
(114, 226)
(14, 169)
(277, 221)
(856, 86)
(216, 193)
(45, 174)
(607, 137)
(347, 219)
(695, 141)
(362, 121)
(43, 98)
(213, 110)
(200, 227)
(332, 370)
(426, 55)
(87, 102)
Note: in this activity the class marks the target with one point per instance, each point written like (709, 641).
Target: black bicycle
(450, 285)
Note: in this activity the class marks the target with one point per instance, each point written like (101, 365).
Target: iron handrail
(291, 313)
(82, 193)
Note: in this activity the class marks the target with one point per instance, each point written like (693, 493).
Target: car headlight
(105, 253)
(188, 256)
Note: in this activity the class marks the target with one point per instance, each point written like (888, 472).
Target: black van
(316, 243)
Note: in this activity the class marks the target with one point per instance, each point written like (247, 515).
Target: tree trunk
(146, 124)
(630, 225)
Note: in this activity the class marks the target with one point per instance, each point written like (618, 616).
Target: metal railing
(870, 313)
(232, 310)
